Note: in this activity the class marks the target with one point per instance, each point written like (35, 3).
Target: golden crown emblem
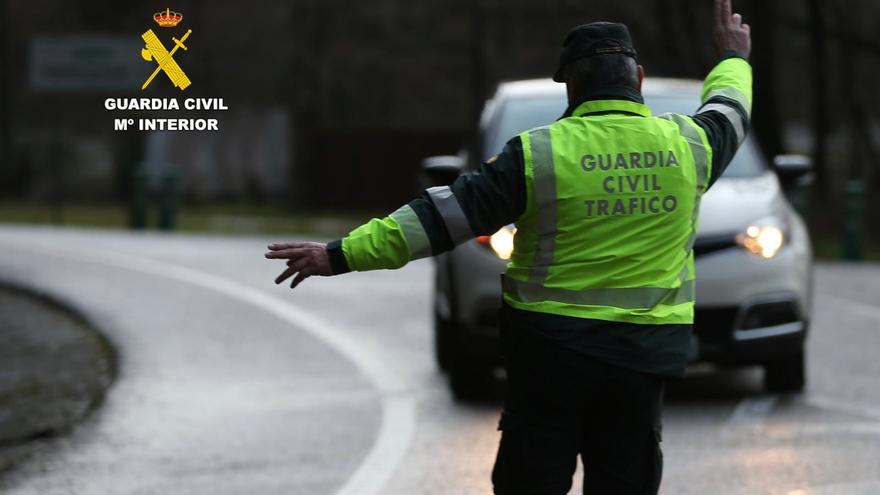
(168, 18)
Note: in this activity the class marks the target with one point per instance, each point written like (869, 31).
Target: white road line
(398, 404)
(757, 409)
(869, 311)
(856, 306)
(846, 488)
(823, 429)
(836, 405)
(753, 410)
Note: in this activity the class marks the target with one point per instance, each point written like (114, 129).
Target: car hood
(732, 204)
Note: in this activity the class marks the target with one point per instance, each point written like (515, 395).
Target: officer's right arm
(477, 203)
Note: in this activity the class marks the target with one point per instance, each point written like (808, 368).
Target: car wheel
(786, 374)
(444, 342)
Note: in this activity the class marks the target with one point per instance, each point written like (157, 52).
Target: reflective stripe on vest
(701, 161)
(453, 217)
(622, 297)
(545, 202)
(416, 237)
(698, 149)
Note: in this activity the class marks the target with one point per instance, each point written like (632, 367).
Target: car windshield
(515, 115)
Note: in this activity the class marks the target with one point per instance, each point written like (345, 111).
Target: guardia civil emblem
(155, 51)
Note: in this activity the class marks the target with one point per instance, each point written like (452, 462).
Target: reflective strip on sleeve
(733, 94)
(732, 115)
(623, 298)
(452, 214)
(416, 237)
(545, 202)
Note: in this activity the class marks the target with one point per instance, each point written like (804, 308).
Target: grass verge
(225, 218)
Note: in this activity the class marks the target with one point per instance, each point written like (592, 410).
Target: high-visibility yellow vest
(613, 201)
(611, 219)
(611, 216)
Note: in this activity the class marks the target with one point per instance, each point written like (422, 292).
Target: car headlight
(501, 242)
(764, 238)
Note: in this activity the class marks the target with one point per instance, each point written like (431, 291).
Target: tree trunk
(765, 118)
(818, 46)
(5, 100)
(477, 65)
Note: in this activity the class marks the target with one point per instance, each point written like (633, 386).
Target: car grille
(768, 314)
(714, 324)
(712, 243)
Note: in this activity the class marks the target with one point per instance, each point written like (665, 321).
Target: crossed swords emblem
(155, 50)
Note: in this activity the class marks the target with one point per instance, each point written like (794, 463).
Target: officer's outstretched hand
(303, 258)
(730, 32)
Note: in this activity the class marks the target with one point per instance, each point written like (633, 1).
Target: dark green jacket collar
(609, 100)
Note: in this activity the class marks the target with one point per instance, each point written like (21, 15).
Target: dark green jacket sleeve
(726, 110)
(477, 203)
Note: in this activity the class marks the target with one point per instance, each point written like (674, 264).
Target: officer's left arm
(477, 203)
(726, 110)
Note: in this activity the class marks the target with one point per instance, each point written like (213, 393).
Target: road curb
(85, 322)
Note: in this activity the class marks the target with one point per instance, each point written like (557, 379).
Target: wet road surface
(230, 384)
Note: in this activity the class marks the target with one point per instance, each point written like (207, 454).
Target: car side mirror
(442, 170)
(793, 170)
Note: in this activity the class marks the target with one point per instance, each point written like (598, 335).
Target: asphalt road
(229, 384)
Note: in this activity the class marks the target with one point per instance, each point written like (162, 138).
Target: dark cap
(597, 38)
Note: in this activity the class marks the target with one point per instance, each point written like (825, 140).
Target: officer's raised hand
(303, 258)
(730, 32)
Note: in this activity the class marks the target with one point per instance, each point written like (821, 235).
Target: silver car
(753, 252)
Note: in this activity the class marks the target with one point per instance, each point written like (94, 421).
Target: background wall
(333, 104)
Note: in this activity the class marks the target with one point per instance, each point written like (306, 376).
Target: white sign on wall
(80, 63)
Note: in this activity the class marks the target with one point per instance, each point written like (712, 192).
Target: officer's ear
(641, 73)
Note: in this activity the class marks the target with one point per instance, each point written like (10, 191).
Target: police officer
(599, 292)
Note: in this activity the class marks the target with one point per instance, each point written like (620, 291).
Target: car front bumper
(749, 310)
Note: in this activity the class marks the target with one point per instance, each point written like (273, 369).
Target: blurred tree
(819, 71)
(857, 55)
(478, 76)
(5, 101)
(303, 97)
(766, 121)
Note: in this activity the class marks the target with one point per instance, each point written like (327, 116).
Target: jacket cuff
(338, 263)
(732, 54)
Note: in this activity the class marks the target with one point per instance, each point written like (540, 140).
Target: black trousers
(561, 403)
